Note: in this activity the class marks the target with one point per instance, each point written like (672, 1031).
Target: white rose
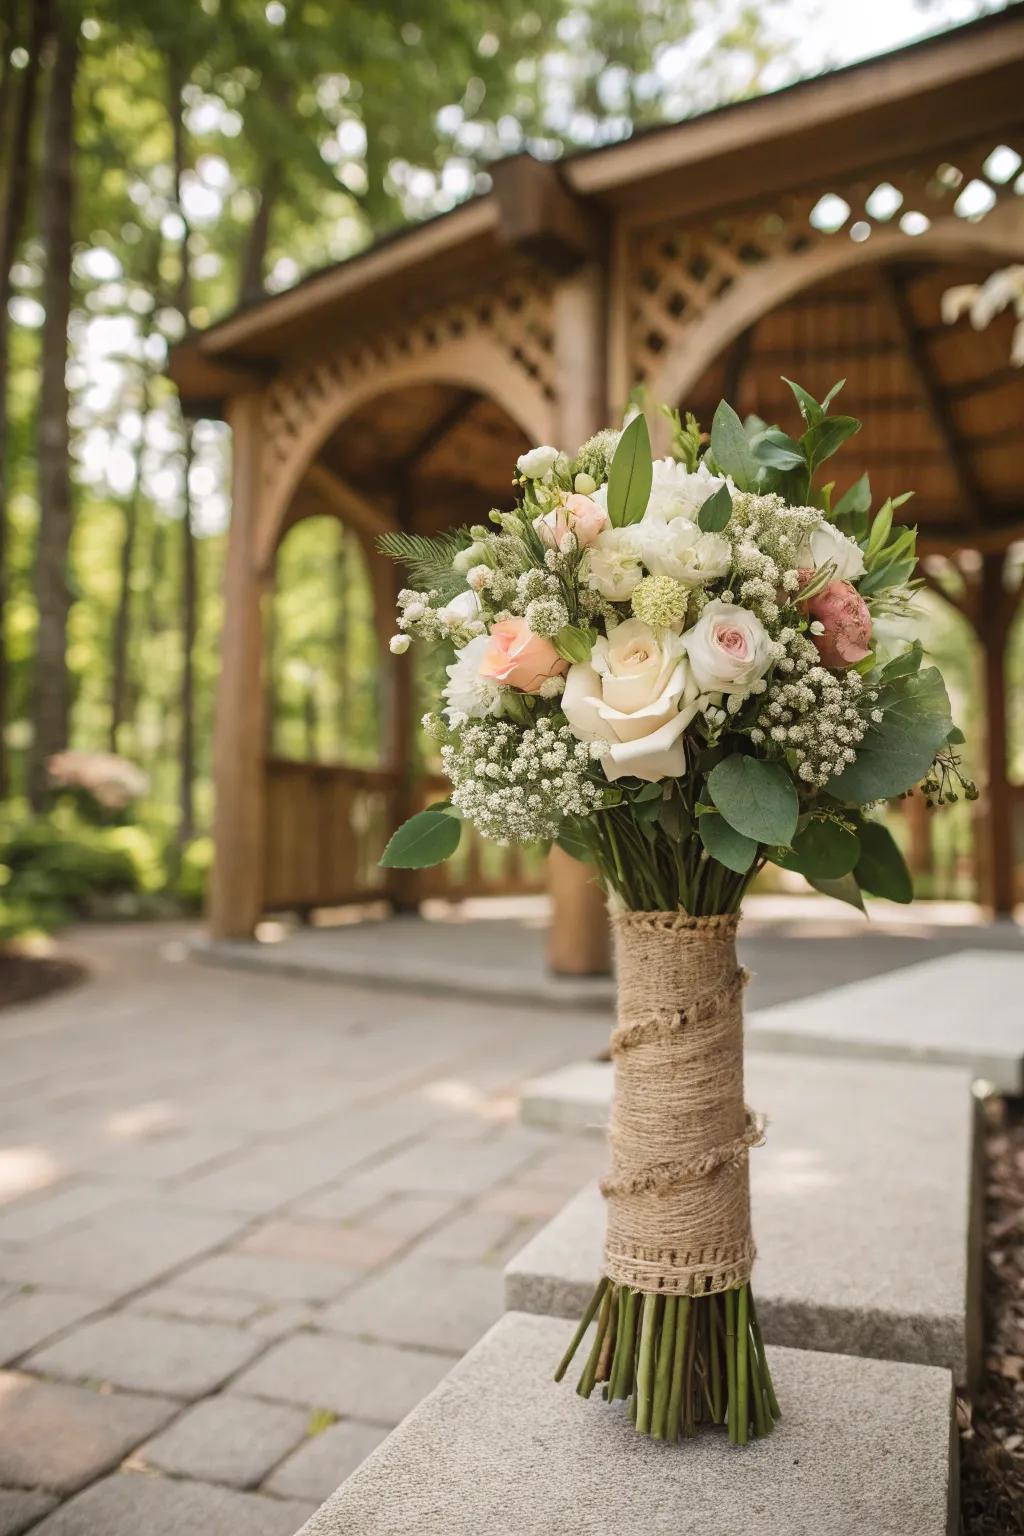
(613, 563)
(675, 492)
(536, 463)
(399, 644)
(827, 543)
(467, 694)
(678, 549)
(636, 693)
(461, 610)
(729, 648)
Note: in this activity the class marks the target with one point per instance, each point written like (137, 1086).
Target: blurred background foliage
(161, 165)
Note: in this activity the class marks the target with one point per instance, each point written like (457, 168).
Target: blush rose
(846, 622)
(577, 517)
(518, 658)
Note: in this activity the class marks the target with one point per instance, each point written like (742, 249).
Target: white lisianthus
(467, 694)
(827, 543)
(677, 548)
(613, 565)
(537, 462)
(461, 610)
(729, 648)
(637, 694)
(399, 644)
(675, 492)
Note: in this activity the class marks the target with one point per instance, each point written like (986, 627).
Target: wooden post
(579, 942)
(236, 895)
(995, 614)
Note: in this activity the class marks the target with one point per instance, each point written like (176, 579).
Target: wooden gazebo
(808, 233)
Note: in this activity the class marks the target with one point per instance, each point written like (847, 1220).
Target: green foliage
(731, 450)
(631, 473)
(423, 840)
(895, 754)
(428, 560)
(881, 868)
(725, 844)
(716, 511)
(57, 867)
(686, 437)
(756, 798)
(825, 849)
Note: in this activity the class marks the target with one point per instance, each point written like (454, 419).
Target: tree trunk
(122, 617)
(50, 691)
(16, 121)
(251, 287)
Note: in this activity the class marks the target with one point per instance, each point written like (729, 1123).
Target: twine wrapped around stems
(678, 1193)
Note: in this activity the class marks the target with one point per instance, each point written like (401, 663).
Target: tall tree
(26, 26)
(50, 685)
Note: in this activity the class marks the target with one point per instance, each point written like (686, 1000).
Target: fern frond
(428, 559)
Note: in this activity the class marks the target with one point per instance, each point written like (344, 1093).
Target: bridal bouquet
(680, 671)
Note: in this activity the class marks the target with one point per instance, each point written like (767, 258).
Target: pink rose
(519, 658)
(576, 515)
(844, 613)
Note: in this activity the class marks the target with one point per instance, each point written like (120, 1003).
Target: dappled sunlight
(454, 1093)
(145, 1121)
(26, 1169)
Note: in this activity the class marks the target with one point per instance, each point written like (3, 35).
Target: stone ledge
(863, 1445)
(866, 1210)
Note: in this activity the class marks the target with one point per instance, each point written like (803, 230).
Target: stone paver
(362, 1246)
(862, 1446)
(27, 1319)
(449, 1165)
(865, 1214)
(149, 1354)
(269, 1278)
(226, 1439)
(196, 1306)
(49, 1212)
(353, 1378)
(430, 1302)
(324, 1461)
(59, 1437)
(20, 1508)
(132, 1504)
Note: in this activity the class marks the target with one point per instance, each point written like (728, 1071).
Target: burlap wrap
(678, 1193)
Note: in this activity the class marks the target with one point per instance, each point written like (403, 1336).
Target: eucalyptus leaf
(845, 889)
(903, 666)
(756, 798)
(898, 751)
(727, 845)
(731, 448)
(779, 451)
(630, 475)
(822, 441)
(716, 511)
(881, 868)
(422, 841)
(824, 850)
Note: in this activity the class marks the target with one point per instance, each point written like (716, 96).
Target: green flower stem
(715, 1364)
(675, 1400)
(762, 1418)
(645, 1364)
(624, 1368)
(742, 1376)
(730, 1363)
(589, 1376)
(766, 1375)
(663, 1373)
(585, 1322)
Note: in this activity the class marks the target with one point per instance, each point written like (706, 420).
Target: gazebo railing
(326, 825)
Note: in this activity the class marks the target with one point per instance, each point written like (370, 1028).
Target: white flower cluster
(517, 785)
(812, 712)
(766, 525)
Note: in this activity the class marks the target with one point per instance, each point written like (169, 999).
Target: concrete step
(863, 1446)
(961, 1010)
(866, 1209)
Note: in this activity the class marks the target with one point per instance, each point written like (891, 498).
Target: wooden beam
(956, 452)
(537, 212)
(349, 504)
(996, 609)
(449, 419)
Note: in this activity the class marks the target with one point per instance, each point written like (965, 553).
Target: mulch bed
(24, 976)
(992, 1426)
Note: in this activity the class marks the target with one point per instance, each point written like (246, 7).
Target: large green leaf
(845, 889)
(824, 850)
(716, 511)
(756, 798)
(731, 448)
(779, 451)
(821, 442)
(898, 751)
(630, 476)
(423, 840)
(881, 868)
(725, 844)
(852, 508)
(573, 840)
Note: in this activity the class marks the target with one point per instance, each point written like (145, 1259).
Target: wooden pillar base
(579, 939)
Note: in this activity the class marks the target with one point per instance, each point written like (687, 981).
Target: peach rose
(842, 611)
(576, 515)
(519, 658)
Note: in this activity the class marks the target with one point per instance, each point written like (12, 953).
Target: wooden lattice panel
(677, 272)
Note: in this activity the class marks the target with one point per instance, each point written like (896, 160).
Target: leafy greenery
(825, 849)
(423, 840)
(756, 798)
(881, 868)
(715, 513)
(630, 475)
(725, 844)
(897, 753)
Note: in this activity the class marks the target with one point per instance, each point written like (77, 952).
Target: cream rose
(729, 648)
(677, 548)
(827, 543)
(536, 462)
(575, 522)
(613, 563)
(637, 693)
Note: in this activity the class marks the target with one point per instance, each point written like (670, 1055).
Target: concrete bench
(863, 1446)
(866, 1210)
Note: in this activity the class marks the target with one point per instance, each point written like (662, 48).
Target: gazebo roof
(836, 124)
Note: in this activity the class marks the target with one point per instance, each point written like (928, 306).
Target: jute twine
(678, 1193)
